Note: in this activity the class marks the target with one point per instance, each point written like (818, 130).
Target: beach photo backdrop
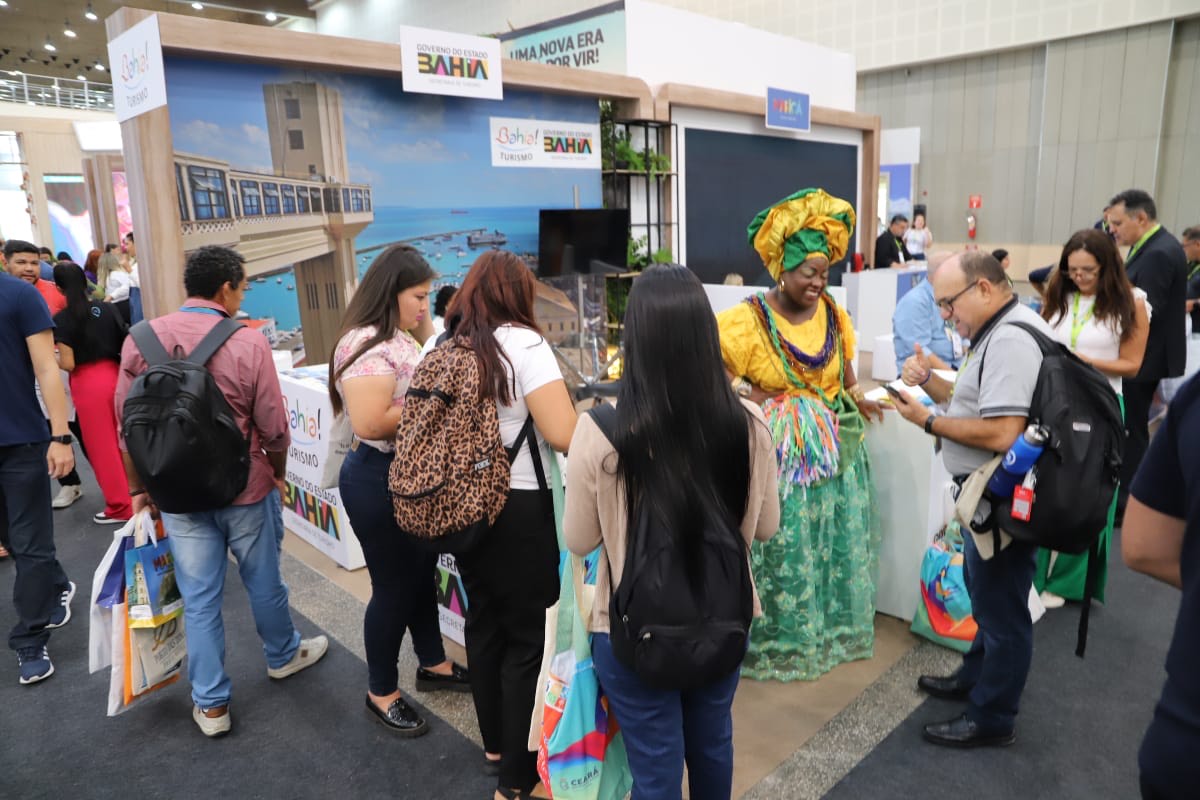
(428, 161)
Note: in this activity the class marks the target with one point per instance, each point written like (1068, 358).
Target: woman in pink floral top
(371, 367)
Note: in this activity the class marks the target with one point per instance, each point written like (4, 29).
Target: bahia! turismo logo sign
(137, 67)
(544, 144)
(304, 421)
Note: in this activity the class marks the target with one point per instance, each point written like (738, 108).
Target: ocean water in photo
(440, 234)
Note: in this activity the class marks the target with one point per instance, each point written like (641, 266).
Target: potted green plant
(625, 156)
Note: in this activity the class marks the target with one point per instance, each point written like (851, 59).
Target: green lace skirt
(816, 580)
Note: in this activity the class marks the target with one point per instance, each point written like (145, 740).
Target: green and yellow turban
(804, 225)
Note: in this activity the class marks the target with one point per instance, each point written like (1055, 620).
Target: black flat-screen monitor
(570, 239)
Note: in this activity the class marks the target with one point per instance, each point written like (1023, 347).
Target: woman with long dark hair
(1097, 312)
(687, 447)
(511, 578)
(89, 335)
(791, 349)
(369, 372)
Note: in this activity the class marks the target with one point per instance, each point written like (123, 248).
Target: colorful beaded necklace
(794, 359)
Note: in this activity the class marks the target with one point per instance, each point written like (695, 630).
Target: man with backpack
(987, 412)
(187, 379)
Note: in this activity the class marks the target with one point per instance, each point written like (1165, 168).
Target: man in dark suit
(1156, 265)
(889, 247)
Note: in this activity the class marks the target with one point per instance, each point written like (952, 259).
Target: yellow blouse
(748, 351)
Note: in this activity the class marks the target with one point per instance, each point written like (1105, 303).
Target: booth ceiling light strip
(269, 15)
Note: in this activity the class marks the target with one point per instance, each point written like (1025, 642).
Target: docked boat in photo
(481, 238)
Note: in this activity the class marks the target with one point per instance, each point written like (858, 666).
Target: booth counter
(871, 297)
(911, 486)
(317, 515)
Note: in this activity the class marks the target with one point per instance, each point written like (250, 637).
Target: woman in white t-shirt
(369, 372)
(918, 239)
(511, 578)
(1095, 311)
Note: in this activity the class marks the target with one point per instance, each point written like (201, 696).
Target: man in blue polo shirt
(29, 457)
(917, 321)
(1161, 537)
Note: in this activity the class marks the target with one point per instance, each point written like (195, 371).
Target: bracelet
(136, 492)
(929, 424)
(856, 393)
(927, 378)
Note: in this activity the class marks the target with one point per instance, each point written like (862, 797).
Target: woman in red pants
(89, 334)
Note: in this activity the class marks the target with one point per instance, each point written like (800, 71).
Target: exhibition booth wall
(43, 191)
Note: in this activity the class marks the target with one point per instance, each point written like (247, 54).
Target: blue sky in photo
(418, 150)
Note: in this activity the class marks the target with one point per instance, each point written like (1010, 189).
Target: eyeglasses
(947, 305)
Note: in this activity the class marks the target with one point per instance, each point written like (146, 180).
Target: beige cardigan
(595, 503)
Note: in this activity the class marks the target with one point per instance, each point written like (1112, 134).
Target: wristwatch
(66, 438)
(929, 423)
(742, 387)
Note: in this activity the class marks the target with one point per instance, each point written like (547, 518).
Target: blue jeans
(662, 730)
(135, 305)
(27, 530)
(998, 662)
(199, 543)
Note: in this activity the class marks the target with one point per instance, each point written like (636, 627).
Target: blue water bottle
(1017, 461)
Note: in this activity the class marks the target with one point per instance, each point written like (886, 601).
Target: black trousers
(511, 578)
(1138, 395)
(403, 576)
(27, 530)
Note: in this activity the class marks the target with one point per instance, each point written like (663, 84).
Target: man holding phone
(985, 414)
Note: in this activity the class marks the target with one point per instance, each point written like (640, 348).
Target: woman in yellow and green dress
(790, 348)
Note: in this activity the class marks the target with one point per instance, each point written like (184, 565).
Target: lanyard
(1077, 323)
(1142, 241)
(204, 310)
(1195, 269)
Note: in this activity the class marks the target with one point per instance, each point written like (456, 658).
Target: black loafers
(962, 732)
(400, 718)
(947, 688)
(458, 680)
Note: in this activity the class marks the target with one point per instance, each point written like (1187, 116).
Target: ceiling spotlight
(49, 45)
(67, 31)
(100, 66)
(271, 16)
(81, 77)
(90, 14)
(198, 6)
(3, 3)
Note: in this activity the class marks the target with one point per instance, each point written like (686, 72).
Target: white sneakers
(66, 496)
(212, 727)
(310, 652)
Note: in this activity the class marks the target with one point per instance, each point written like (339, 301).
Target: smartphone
(887, 387)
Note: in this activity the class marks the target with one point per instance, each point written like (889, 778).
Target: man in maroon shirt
(252, 526)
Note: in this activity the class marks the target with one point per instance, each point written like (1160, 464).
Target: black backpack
(180, 430)
(1078, 472)
(673, 638)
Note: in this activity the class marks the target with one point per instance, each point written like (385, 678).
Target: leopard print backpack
(450, 476)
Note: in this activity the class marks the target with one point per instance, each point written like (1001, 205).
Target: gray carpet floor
(308, 736)
(1080, 724)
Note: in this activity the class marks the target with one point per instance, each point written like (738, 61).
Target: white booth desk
(910, 494)
(317, 515)
(871, 297)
